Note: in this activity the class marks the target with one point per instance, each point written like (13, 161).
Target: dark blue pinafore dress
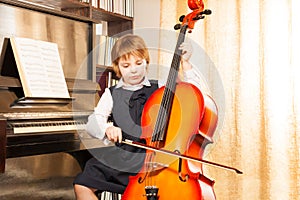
(110, 167)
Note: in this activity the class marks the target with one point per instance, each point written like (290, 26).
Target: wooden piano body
(35, 129)
(27, 130)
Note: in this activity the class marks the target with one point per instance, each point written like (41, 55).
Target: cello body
(199, 142)
(205, 133)
(162, 170)
(178, 122)
(171, 121)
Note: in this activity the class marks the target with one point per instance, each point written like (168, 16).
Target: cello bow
(178, 155)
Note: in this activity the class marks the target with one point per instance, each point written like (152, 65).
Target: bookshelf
(117, 15)
(104, 72)
(105, 78)
(84, 10)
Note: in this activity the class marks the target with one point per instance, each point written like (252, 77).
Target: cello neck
(173, 73)
(167, 99)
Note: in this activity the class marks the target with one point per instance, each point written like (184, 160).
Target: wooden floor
(39, 178)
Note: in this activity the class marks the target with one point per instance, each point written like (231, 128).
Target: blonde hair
(126, 46)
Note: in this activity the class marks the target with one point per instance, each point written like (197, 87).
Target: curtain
(252, 53)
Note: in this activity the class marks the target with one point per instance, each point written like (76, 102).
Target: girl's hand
(114, 134)
(187, 51)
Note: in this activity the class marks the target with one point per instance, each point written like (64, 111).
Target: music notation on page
(40, 68)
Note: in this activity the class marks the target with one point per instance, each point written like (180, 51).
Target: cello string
(160, 129)
(169, 89)
(165, 107)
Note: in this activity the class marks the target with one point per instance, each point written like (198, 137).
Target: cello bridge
(152, 166)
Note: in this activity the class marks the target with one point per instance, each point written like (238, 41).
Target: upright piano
(44, 126)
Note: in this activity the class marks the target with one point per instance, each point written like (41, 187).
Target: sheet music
(40, 68)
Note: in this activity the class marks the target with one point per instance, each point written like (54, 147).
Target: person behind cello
(111, 166)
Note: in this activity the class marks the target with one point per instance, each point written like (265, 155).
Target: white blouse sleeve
(194, 77)
(97, 121)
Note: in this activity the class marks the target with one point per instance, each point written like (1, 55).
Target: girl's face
(133, 69)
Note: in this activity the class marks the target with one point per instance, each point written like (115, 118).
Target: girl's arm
(97, 121)
(98, 126)
(190, 73)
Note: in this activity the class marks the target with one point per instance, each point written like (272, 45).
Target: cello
(171, 125)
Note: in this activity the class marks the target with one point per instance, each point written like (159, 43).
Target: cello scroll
(198, 13)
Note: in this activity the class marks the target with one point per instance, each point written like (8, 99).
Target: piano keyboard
(46, 126)
(39, 122)
(109, 196)
(43, 115)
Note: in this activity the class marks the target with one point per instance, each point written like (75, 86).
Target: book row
(122, 7)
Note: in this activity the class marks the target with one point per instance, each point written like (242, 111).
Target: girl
(111, 166)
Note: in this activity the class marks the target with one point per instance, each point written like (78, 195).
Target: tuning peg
(181, 18)
(177, 26)
(206, 12)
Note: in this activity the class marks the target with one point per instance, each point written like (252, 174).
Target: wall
(70, 35)
(146, 24)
